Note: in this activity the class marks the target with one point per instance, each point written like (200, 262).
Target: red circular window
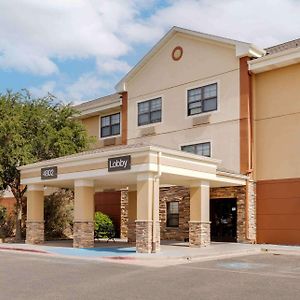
(177, 53)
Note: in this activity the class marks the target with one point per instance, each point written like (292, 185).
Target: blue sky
(79, 49)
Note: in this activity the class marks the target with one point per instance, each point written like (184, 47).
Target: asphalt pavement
(260, 276)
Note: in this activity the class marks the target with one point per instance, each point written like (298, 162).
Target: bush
(59, 209)
(7, 223)
(104, 227)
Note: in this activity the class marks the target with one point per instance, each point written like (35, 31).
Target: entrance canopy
(141, 169)
(118, 167)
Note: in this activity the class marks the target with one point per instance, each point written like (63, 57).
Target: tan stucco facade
(276, 109)
(93, 127)
(203, 62)
(276, 123)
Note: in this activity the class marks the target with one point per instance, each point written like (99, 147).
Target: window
(173, 214)
(202, 99)
(200, 149)
(149, 112)
(110, 125)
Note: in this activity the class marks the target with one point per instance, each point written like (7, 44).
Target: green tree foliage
(59, 208)
(33, 130)
(104, 227)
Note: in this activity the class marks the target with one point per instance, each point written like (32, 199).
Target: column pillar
(35, 215)
(147, 223)
(199, 225)
(83, 228)
(132, 216)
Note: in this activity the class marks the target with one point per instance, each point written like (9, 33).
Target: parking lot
(260, 276)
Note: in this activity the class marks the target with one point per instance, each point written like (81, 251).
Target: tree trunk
(18, 193)
(19, 220)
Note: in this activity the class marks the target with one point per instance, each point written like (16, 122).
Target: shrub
(59, 209)
(7, 223)
(104, 227)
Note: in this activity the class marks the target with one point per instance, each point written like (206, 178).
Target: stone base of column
(35, 232)
(83, 235)
(131, 234)
(143, 236)
(199, 234)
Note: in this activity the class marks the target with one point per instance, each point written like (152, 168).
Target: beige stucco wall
(202, 63)
(92, 125)
(276, 126)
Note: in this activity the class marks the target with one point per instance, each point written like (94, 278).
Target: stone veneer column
(199, 225)
(83, 228)
(35, 214)
(147, 214)
(124, 213)
(251, 214)
(132, 216)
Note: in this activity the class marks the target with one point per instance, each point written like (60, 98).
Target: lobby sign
(49, 173)
(119, 163)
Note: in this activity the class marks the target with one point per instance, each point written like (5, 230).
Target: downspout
(250, 126)
(156, 177)
(250, 154)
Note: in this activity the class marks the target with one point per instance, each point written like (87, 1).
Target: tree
(59, 212)
(32, 130)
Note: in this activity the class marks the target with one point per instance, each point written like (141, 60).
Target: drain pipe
(156, 177)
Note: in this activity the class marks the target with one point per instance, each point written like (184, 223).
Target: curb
(23, 250)
(280, 251)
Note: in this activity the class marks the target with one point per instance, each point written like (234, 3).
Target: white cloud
(113, 66)
(86, 87)
(33, 33)
(263, 22)
(44, 89)
(35, 36)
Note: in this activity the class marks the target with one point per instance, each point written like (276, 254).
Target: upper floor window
(173, 214)
(110, 125)
(202, 99)
(149, 111)
(200, 149)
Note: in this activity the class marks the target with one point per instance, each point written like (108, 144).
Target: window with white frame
(202, 99)
(200, 149)
(110, 125)
(149, 112)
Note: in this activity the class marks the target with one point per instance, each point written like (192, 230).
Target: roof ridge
(85, 103)
(295, 43)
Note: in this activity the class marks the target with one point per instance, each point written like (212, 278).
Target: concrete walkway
(172, 253)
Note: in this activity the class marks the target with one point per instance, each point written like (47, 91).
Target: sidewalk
(172, 253)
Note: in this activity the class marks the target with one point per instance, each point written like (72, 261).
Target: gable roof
(93, 107)
(242, 49)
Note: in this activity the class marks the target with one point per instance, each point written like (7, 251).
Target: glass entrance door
(223, 216)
